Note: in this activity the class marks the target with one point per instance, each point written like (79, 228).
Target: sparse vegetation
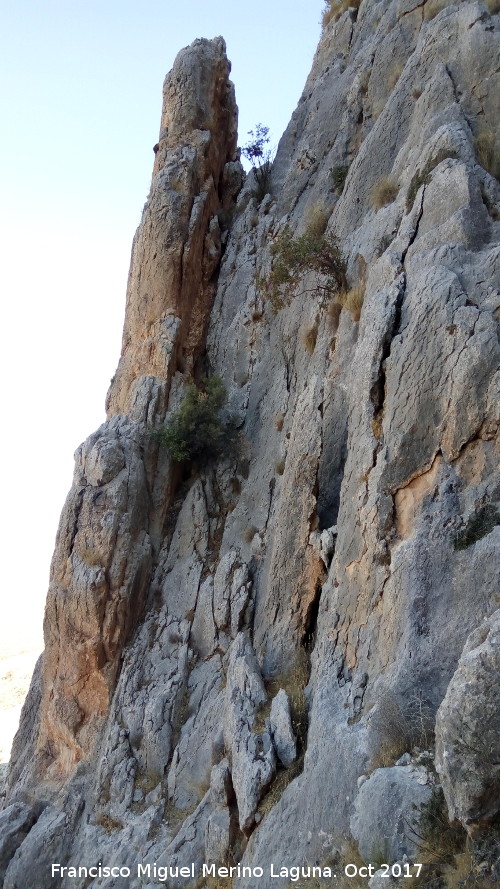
(377, 109)
(478, 525)
(317, 217)
(280, 467)
(334, 310)
(309, 338)
(384, 192)
(339, 176)
(352, 300)
(108, 823)
(293, 681)
(493, 6)
(249, 533)
(196, 431)
(278, 421)
(293, 257)
(335, 8)
(450, 860)
(488, 151)
(259, 154)
(394, 75)
(400, 729)
(433, 7)
(423, 177)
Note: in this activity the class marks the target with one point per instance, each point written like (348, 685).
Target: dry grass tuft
(377, 108)
(108, 823)
(433, 7)
(394, 75)
(352, 300)
(335, 8)
(400, 729)
(283, 778)
(309, 338)
(384, 192)
(334, 310)
(488, 151)
(278, 421)
(249, 533)
(294, 681)
(317, 219)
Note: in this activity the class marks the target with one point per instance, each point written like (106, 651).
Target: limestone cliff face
(349, 549)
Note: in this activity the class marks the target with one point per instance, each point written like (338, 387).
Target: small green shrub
(384, 192)
(196, 432)
(339, 176)
(294, 257)
(423, 177)
(479, 524)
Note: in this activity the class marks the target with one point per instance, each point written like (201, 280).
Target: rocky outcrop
(108, 534)
(468, 731)
(387, 812)
(334, 554)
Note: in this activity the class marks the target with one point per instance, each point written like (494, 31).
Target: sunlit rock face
(348, 547)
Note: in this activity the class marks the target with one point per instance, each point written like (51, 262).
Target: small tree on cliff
(196, 432)
(259, 154)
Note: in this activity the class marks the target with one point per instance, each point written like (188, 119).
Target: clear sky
(80, 94)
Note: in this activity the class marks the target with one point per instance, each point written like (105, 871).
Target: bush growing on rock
(293, 257)
(259, 154)
(339, 176)
(196, 431)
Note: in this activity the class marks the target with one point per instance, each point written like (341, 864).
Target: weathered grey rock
(387, 812)
(48, 841)
(15, 823)
(468, 730)
(281, 729)
(252, 757)
(385, 431)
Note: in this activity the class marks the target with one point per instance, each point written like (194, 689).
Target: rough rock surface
(281, 729)
(468, 730)
(387, 810)
(349, 547)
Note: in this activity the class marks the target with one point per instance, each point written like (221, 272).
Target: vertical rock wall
(334, 556)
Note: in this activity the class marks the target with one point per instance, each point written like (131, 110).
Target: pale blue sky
(80, 94)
